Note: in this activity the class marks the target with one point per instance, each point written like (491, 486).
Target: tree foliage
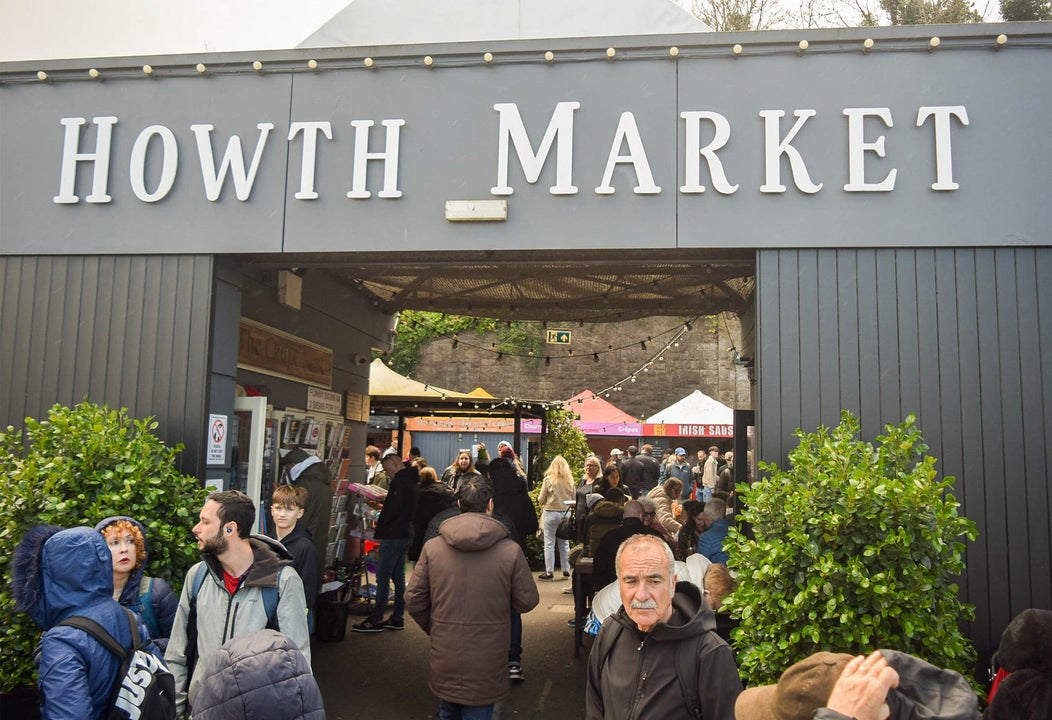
(417, 328)
(77, 467)
(739, 15)
(930, 12)
(1023, 10)
(854, 547)
(564, 438)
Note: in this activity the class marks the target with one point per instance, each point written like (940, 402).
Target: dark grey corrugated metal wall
(962, 338)
(128, 331)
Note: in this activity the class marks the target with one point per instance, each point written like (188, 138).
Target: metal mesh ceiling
(571, 286)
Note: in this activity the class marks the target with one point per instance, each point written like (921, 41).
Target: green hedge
(78, 466)
(853, 547)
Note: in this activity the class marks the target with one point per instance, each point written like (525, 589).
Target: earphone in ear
(228, 531)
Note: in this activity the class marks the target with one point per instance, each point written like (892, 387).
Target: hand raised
(861, 691)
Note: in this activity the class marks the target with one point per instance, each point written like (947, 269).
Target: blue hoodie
(72, 575)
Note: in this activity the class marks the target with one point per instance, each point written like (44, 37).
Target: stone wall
(701, 360)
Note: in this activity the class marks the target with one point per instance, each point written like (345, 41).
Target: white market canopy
(382, 22)
(695, 409)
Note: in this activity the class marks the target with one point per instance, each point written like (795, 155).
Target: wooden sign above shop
(273, 352)
(357, 407)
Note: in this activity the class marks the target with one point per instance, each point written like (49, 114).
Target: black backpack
(144, 688)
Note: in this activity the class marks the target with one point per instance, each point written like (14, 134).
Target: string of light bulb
(547, 403)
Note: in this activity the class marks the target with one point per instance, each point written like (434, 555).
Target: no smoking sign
(217, 426)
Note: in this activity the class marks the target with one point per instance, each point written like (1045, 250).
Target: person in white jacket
(225, 595)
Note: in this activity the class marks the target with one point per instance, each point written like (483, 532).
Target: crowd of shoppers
(661, 652)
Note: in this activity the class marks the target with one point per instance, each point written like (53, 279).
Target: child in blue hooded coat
(57, 574)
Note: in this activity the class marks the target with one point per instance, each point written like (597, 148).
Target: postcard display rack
(327, 437)
(368, 501)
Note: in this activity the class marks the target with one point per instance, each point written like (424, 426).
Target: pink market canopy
(597, 417)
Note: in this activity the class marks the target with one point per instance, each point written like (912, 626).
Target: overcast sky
(112, 28)
(102, 28)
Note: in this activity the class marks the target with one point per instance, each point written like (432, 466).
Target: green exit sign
(558, 337)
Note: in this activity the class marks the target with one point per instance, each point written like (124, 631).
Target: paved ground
(383, 676)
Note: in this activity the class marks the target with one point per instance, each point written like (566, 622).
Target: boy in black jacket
(287, 507)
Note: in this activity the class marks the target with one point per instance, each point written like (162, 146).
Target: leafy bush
(563, 438)
(854, 547)
(77, 467)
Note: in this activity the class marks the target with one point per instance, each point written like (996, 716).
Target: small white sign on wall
(217, 432)
(324, 401)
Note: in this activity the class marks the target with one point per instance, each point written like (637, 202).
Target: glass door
(248, 449)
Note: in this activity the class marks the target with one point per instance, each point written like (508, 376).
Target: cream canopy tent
(395, 393)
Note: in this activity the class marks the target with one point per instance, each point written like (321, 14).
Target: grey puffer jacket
(257, 676)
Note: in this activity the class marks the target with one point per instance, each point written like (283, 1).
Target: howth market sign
(627, 148)
(906, 145)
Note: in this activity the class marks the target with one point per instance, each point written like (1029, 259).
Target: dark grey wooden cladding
(961, 337)
(127, 331)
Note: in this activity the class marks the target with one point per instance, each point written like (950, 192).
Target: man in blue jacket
(57, 574)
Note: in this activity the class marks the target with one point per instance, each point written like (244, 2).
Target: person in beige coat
(462, 592)
(557, 489)
(663, 496)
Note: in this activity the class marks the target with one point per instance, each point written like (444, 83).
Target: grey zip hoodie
(221, 616)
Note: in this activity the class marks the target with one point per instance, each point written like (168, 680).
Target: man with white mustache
(659, 655)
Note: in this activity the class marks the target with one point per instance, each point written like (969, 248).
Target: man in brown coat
(464, 587)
